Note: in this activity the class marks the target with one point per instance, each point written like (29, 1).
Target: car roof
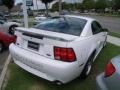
(81, 17)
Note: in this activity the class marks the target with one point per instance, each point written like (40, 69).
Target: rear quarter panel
(83, 48)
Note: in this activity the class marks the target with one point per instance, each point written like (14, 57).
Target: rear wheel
(12, 29)
(88, 67)
(1, 47)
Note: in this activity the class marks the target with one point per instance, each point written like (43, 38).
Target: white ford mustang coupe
(60, 49)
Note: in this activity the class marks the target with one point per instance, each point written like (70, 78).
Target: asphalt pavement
(3, 57)
(111, 23)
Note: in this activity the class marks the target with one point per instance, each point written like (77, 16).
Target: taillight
(64, 54)
(109, 69)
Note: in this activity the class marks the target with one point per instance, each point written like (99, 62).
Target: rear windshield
(66, 25)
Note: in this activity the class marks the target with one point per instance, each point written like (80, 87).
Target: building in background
(37, 4)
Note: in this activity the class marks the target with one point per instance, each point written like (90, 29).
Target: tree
(88, 4)
(80, 7)
(9, 4)
(101, 5)
(55, 6)
(109, 3)
(116, 4)
(46, 4)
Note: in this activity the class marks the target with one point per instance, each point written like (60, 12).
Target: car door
(99, 35)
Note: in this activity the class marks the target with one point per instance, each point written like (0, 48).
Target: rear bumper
(43, 67)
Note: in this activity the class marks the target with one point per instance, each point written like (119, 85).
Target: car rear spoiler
(49, 34)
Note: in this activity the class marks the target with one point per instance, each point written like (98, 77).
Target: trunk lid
(40, 41)
(64, 37)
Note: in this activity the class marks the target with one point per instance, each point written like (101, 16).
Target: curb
(4, 71)
(113, 40)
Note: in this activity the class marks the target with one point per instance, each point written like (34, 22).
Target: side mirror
(105, 30)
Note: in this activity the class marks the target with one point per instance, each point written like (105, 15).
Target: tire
(1, 47)
(105, 42)
(87, 69)
(12, 29)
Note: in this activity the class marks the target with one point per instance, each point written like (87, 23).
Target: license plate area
(33, 45)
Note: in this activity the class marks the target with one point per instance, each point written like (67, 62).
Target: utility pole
(60, 6)
(25, 14)
(33, 5)
(37, 4)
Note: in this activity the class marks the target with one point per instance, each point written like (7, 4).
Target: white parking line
(4, 71)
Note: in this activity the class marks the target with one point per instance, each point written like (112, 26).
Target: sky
(42, 6)
(17, 1)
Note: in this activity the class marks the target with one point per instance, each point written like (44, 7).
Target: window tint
(66, 25)
(96, 27)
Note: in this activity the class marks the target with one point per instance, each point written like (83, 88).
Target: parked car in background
(6, 39)
(60, 49)
(42, 18)
(2, 17)
(7, 14)
(8, 26)
(65, 12)
(20, 14)
(14, 14)
(110, 78)
(30, 13)
(39, 19)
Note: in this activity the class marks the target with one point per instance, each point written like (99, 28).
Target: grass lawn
(114, 34)
(30, 24)
(18, 79)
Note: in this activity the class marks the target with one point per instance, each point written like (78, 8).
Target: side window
(96, 27)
